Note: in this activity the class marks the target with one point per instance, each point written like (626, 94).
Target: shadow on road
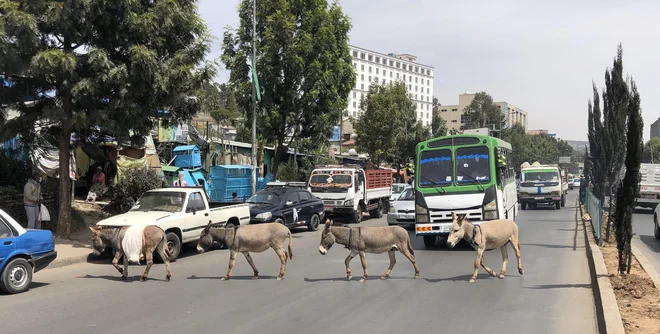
(651, 242)
(354, 278)
(460, 278)
(559, 286)
(235, 278)
(118, 278)
(549, 246)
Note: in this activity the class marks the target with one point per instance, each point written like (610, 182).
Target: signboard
(335, 134)
(564, 160)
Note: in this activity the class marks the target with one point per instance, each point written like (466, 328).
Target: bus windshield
(472, 165)
(435, 168)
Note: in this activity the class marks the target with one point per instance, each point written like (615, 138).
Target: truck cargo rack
(286, 184)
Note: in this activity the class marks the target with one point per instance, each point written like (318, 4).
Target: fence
(595, 210)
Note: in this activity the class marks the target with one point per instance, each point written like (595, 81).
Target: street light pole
(254, 98)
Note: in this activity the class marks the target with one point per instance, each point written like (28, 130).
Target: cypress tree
(596, 142)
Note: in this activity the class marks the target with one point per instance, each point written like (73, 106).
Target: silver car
(397, 189)
(402, 211)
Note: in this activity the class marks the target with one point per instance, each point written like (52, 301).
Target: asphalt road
(554, 296)
(643, 238)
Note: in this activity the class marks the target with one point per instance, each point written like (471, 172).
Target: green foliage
(106, 62)
(438, 124)
(482, 112)
(219, 100)
(652, 151)
(388, 129)
(14, 173)
(531, 148)
(629, 186)
(131, 187)
(303, 64)
(596, 147)
(289, 171)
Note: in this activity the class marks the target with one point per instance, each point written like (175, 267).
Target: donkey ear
(328, 222)
(461, 219)
(453, 215)
(93, 229)
(208, 226)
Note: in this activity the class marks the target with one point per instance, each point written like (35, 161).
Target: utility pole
(254, 98)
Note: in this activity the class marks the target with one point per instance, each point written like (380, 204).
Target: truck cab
(542, 184)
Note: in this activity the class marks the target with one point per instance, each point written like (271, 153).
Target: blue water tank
(188, 156)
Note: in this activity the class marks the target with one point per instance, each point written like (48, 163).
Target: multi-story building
(455, 118)
(655, 128)
(374, 67)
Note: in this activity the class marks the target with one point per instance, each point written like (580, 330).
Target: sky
(540, 56)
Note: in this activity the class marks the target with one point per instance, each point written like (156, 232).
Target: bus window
(435, 168)
(472, 165)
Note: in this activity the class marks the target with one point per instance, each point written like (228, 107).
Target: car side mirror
(188, 210)
(288, 203)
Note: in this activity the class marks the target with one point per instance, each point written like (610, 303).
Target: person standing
(234, 197)
(32, 201)
(180, 182)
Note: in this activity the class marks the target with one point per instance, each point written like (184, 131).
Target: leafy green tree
(438, 124)
(483, 112)
(93, 67)
(629, 186)
(531, 148)
(651, 151)
(303, 64)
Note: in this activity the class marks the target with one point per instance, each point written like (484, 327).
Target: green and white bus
(467, 174)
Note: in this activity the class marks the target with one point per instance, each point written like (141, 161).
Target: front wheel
(523, 206)
(558, 205)
(656, 228)
(314, 223)
(174, 245)
(17, 276)
(429, 240)
(357, 215)
(563, 201)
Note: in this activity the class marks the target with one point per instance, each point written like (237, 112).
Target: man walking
(32, 200)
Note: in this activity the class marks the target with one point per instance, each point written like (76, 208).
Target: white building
(371, 67)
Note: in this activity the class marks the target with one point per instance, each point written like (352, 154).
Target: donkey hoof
(362, 280)
(493, 274)
(521, 271)
(279, 278)
(143, 279)
(383, 277)
(224, 278)
(124, 277)
(416, 276)
(502, 275)
(121, 270)
(471, 280)
(349, 277)
(255, 277)
(167, 279)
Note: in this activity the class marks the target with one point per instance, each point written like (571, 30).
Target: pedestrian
(181, 182)
(234, 197)
(32, 200)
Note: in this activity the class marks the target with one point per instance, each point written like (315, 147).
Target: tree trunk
(64, 217)
(277, 157)
(609, 214)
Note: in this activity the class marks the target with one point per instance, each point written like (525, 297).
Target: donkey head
(327, 238)
(457, 230)
(97, 241)
(205, 239)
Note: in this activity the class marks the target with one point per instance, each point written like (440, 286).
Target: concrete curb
(607, 309)
(646, 265)
(63, 262)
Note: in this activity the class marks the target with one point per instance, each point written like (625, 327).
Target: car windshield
(435, 168)
(407, 195)
(398, 188)
(472, 165)
(331, 178)
(541, 176)
(265, 197)
(160, 201)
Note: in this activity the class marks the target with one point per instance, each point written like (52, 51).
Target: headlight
(491, 206)
(392, 209)
(490, 210)
(264, 216)
(556, 193)
(420, 210)
(348, 202)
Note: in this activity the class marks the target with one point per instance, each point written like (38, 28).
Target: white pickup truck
(181, 212)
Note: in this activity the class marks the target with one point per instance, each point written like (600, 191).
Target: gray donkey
(153, 240)
(361, 240)
(246, 239)
(488, 235)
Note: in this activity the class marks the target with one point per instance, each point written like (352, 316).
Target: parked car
(287, 203)
(182, 212)
(576, 183)
(571, 183)
(397, 189)
(402, 211)
(23, 252)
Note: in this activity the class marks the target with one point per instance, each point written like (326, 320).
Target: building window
(369, 78)
(377, 60)
(355, 54)
(398, 64)
(362, 67)
(371, 58)
(415, 96)
(404, 77)
(361, 55)
(443, 110)
(362, 86)
(415, 88)
(454, 121)
(428, 98)
(385, 73)
(369, 69)
(354, 94)
(454, 110)
(377, 70)
(391, 63)
(403, 66)
(362, 77)
(427, 115)
(354, 104)
(428, 82)
(355, 65)
(416, 79)
(427, 91)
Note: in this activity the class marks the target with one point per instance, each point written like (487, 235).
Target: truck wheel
(377, 212)
(656, 228)
(523, 206)
(174, 244)
(314, 223)
(279, 221)
(563, 201)
(358, 215)
(429, 240)
(558, 205)
(17, 276)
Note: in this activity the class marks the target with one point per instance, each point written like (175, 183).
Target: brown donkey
(249, 238)
(361, 240)
(488, 235)
(153, 240)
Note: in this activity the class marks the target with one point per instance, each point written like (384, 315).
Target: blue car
(23, 252)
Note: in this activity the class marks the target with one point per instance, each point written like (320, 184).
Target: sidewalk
(71, 252)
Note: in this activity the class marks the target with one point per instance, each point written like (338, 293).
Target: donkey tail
(410, 249)
(290, 246)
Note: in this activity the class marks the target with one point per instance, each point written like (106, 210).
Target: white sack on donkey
(132, 243)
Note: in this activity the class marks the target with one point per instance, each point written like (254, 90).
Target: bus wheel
(523, 206)
(429, 240)
(558, 205)
(563, 201)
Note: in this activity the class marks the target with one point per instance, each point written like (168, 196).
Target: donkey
(489, 235)
(361, 240)
(246, 239)
(153, 239)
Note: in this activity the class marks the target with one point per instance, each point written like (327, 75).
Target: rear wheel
(17, 276)
(377, 212)
(314, 223)
(429, 240)
(174, 245)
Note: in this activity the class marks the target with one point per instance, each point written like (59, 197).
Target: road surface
(643, 238)
(554, 296)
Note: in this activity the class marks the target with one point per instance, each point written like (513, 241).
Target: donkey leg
(411, 257)
(283, 257)
(363, 259)
(115, 263)
(516, 248)
(125, 266)
(392, 263)
(505, 259)
(347, 261)
(251, 262)
(232, 262)
(163, 255)
(150, 262)
(477, 263)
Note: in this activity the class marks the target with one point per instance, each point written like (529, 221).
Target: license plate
(444, 228)
(539, 197)
(328, 207)
(402, 217)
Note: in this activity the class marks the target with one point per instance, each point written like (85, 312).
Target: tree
(388, 118)
(303, 64)
(90, 66)
(530, 148)
(629, 188)
(483, 112)
(651, 151)
(596, 137)
(438, 125)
